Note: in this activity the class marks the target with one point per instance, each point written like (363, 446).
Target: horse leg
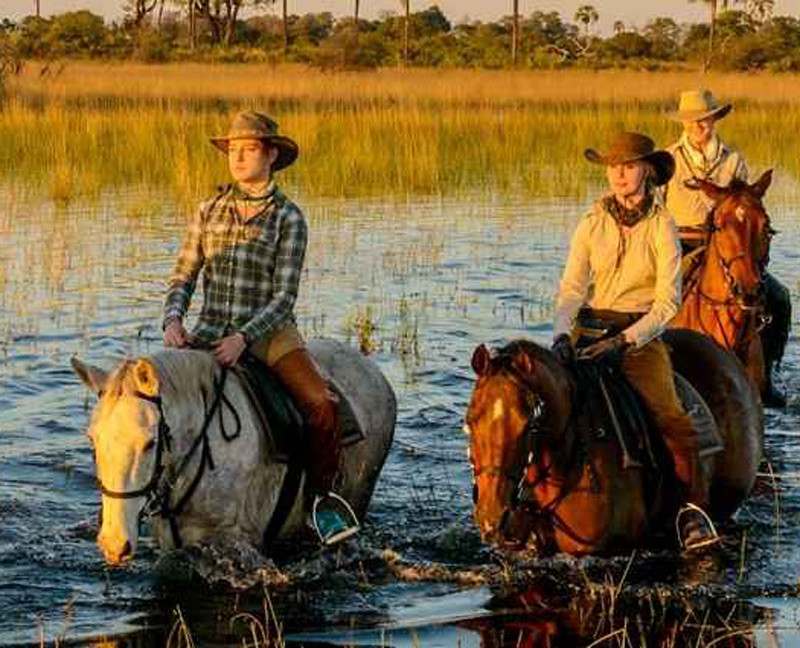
(775, 335)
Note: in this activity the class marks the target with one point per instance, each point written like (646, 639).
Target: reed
(93, 126)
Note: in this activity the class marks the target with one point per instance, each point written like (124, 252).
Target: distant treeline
(202, 30)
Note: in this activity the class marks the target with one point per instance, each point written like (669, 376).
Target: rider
(700, 154)
(623, 270)
(249, 240)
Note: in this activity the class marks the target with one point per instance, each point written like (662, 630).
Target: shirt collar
(706, 159)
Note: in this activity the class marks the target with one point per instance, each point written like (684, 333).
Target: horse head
(516, 421)
(740, 235)
(128, 434)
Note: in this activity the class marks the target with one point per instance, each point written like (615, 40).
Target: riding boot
(694, 527)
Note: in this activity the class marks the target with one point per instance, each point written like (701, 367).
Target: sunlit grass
(94, 126)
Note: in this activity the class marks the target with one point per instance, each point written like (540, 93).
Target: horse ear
(524, 364)
(715, 192)
(93, 377)
(481, 359)
(146, 377)
(760, 186)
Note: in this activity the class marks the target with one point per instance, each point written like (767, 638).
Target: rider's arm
(289, 257)
(574, 286)
(667, 294)
(184, 278)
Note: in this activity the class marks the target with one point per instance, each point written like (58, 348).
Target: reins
(158, 492)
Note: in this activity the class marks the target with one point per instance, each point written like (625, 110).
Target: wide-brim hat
(697, 105)
(254, 125)
(634, 147)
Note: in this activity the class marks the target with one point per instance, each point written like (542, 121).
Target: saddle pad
(284, 425)
(708, 436)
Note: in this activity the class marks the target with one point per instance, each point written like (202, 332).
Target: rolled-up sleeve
(667, 294)
(183, 281)
(574, 286)
(289, 259)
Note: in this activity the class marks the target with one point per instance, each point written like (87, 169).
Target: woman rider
(249, 241)
(701, 154)
(624, 270)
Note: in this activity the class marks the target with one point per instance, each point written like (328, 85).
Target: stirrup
(335, 525)
(709, 540)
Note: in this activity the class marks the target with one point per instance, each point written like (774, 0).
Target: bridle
(158, 491)
(521, 499)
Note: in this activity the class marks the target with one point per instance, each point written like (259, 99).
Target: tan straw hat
(633, 147)
(697, 105)
(253, 125)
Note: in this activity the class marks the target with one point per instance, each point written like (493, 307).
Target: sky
(633, 12)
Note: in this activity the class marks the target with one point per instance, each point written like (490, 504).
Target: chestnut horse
(722, 297)
(543, 478)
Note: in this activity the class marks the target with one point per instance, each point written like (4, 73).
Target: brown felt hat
(697, 105)
(633, 147)
(254, 125)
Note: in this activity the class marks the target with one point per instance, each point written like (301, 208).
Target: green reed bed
(360, 135)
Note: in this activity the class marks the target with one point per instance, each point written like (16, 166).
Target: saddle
(616, 409)
(284, 426)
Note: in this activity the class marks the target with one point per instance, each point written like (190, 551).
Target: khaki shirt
(690, 207)
(626, 269)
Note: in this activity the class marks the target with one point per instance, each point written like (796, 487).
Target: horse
(543, 479)
(178, 444)
(722, 295)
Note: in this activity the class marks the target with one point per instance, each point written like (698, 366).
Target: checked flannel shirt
(251, 268)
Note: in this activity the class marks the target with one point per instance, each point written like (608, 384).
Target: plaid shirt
(251, 268)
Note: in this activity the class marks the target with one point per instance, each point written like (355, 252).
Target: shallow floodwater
(417, 284)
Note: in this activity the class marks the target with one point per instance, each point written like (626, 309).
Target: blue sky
(635, 13)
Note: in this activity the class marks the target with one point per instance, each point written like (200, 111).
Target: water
(419, 283)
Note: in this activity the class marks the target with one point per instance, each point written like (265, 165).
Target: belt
(599, 323)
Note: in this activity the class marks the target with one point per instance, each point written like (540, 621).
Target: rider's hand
(611, 345)
(175, 334)
(228, 350)
(563, 349)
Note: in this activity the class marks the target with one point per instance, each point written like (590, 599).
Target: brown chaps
(649, 370)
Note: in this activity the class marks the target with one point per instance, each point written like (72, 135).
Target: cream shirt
(719, 164)
(647, 277)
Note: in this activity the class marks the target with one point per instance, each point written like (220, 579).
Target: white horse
(173, 447)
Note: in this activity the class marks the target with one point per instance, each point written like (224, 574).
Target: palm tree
(38, 9)
(406, 4)
(587, 15)
(712, 8)
(619, 27)
(285, 29)
(515, 33)
(355, 14)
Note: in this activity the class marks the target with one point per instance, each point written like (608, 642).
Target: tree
(355, 14)
(712, 8)
(406, 4)
(138, 10)
(515, 33)
(619, 27)
(587, 15)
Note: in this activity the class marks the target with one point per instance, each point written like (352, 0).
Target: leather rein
(521, 499)
(158, 491)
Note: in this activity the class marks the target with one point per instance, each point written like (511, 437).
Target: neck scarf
(706, 159)
(628, 216)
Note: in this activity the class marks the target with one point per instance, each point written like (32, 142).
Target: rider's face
(250, 160)
(700, 132)
(626, 179)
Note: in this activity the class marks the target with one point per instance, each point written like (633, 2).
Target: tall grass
(93, 126)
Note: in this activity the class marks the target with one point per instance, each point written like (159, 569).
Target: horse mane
(539, 354)
(181, 370)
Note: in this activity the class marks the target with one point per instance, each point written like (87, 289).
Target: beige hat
(697, 105)
(632, 147)
(253, 125)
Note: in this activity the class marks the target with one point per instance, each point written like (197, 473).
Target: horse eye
(149, 446)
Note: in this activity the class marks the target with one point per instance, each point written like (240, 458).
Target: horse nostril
(126, 551)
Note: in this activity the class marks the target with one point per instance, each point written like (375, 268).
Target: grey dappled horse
(193, 458)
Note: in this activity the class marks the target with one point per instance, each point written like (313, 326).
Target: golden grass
(93, 126)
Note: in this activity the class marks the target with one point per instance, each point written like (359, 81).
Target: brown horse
(722, 295)
(543, 478)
